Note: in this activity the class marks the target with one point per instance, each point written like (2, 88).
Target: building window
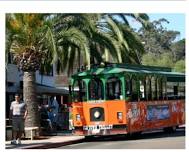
(10, 84)
(21, 84)
(10, 58)
(47, 72)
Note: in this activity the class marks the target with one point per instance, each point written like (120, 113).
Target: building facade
(47, 85)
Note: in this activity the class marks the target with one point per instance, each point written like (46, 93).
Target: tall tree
(87, 27)
(157, 39)
(180, 66)
(178, 49)
(105, 37)
(161, 46)
(31, 40)
(39, 40)
(131, 48)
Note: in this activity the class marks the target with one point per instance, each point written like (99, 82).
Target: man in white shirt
(18, 113)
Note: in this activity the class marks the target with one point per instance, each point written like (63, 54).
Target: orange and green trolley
(114, 99)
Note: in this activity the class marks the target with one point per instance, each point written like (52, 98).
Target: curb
(54, 145)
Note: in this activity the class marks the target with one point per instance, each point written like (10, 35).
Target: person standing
(18, 113)
(54, 106)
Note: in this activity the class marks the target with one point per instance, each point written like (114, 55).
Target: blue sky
(176, 22)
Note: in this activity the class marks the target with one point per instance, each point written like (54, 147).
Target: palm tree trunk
(30, 99)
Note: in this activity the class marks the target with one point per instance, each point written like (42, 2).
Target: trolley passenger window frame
(153, 84)
(101, 86)
(114, 95)
(80, 98)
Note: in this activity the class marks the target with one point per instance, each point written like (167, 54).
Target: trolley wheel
(170, 129)
(88, 138)
(135, 134)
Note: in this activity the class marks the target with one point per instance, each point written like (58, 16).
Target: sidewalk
(46, 142)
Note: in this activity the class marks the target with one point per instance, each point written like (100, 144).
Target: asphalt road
(155, 140)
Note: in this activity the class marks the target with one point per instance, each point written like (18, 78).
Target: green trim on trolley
(140, 70)
(121, 73)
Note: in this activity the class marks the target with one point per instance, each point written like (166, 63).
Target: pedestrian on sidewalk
(44, 116)
(54, 108)
(18, 113)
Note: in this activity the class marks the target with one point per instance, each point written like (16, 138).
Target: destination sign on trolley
(97, 127)
(97, 101)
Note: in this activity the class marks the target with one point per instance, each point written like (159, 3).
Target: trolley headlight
(119, 115)
(78, 117)
(96, 114)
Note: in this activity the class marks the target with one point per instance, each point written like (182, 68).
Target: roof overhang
(41, 89)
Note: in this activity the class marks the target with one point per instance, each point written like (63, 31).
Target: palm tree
(105, 37)
(39, 40)
(71, 43)
(130, 46)
(88, 33)
(31, 41)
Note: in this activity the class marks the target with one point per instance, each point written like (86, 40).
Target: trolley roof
(113, 68)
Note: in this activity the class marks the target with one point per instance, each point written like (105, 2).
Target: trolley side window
(128, 87)
(170, 90)
(79, 91)
(142, 89)
(96, 89)
(160, 89)
(154, 88)
(113, 88)
(132, 88)
(175, 90)
(181, 90)
(149, 88)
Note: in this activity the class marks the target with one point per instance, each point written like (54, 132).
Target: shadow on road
(149, 135)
